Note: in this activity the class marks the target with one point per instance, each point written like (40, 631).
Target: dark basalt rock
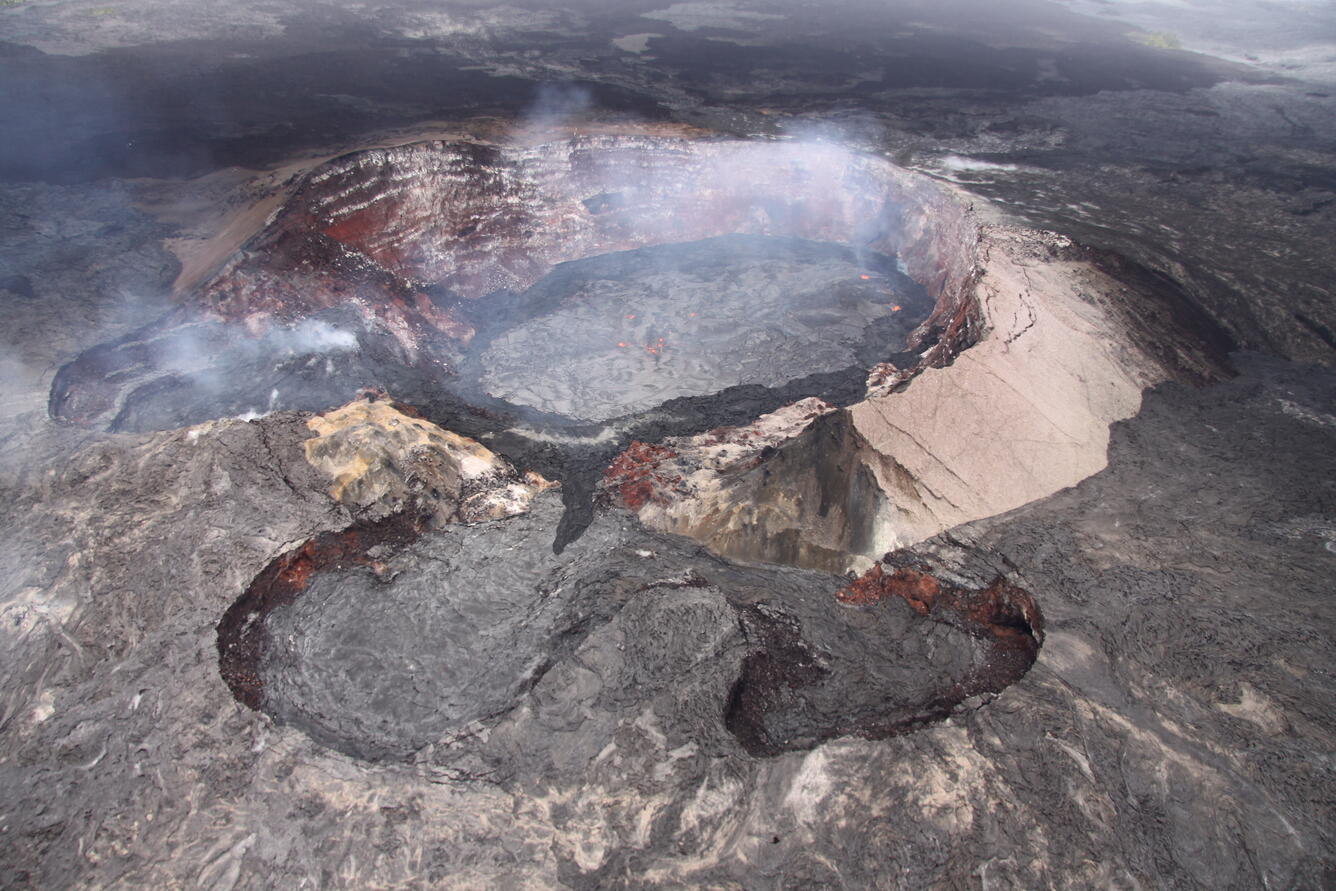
(783, 700)
(241, 635)
(1167, 691)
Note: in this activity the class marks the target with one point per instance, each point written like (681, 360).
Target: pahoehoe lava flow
(381, 639)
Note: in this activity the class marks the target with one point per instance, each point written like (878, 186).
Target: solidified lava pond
(474, 628)
(557, 303)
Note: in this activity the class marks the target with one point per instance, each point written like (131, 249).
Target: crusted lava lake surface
(611, 336)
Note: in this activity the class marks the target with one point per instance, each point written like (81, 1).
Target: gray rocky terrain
(1171, 733)
(361, 648)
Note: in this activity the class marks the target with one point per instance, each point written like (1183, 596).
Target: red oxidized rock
(919, 589)
(241, 635)
(1003, 615)
(636, 476)
(1000, 610)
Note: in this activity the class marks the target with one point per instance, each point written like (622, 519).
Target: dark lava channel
(507, 659)
(716, 332)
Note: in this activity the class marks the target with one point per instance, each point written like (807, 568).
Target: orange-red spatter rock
(293, 274)
(241, 636)
(918, 589)
(1004, 616)
(636, 476)
(1001, 610)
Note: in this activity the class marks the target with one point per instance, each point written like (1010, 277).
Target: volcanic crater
(764, 346)
(416, 250)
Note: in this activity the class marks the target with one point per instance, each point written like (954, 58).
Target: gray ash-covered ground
(1169, 734)
(619, 334)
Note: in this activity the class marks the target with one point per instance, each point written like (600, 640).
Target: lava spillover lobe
(475, 627)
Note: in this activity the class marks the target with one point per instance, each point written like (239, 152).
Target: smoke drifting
(555, 107)
(389, 261)
(311, 336)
